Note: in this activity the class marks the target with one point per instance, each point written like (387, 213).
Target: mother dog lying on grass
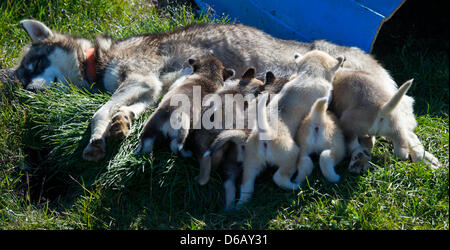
(138, 69)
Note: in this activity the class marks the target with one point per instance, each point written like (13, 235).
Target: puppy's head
(211, 68)
(51, 57)
(319, 63)
(249, 80)
(274, 83)
(385, 119)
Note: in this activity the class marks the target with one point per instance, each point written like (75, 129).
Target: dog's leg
(327, 163)
(287, 167)
(359, 162)
(251, 169)
(205, 170)
(305, 168)
(136, 93)
(367, 143)
(229, 186)
(401, 147)
(121, 120)
(182, 134)
(151, 131)
(418, 152)
(360, 154)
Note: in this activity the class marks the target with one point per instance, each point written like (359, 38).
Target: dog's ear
(194, 64)
(270, 77)
(297, 57)
(341, 60)
(36, 30)
(228, 73)
(249, 74)
(395, 100)
(191, 61)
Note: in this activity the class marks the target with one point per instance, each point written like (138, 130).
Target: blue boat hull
(344, 22)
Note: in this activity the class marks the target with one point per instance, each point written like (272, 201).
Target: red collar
(90, 61)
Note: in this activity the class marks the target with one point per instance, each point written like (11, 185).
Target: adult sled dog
(138, 69)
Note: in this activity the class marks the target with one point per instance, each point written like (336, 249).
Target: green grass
(45, 184)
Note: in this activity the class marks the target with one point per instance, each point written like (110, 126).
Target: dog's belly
(237, 46)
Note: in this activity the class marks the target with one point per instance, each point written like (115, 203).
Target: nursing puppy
(230, 143)
(208, 76)
(209, 144)
(367, 108)
(272, 141)
(319, 133)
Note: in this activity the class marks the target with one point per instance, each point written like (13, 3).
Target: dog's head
(249, 83)
(211, 68)
(274, 84)
(51, 57)
(320, 63)
(385, 118)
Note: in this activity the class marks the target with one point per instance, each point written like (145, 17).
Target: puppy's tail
(236, 136)
(319, 109)
(395, 100)
(264, 130)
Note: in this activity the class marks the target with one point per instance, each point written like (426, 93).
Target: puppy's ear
(191, 61)
(270, 77)
(341, 60)
(228, 73)
(36, 30)
(194, 64)
(249, 74)
(297, 57)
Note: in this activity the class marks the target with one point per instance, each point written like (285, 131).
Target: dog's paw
(359, 163)
(202, 180)
(120, 124)
(95, 150)
(432, 160)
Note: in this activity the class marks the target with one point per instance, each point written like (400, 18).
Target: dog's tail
(319, 109)
(395, 100)
(236, 136)
(264, 129)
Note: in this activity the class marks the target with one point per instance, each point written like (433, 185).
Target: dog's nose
(31, 87)
(37, 84)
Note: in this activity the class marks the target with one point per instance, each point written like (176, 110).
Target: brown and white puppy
(319, 133)
(230, 143)
(272, 141)
(366, 108)
(175, 114)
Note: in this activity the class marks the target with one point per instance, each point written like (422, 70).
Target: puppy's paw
(202, 180)
(333, 178)
(432, 160)
(120, 124)
(145, 146)
(359, 163)
(95, 150)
